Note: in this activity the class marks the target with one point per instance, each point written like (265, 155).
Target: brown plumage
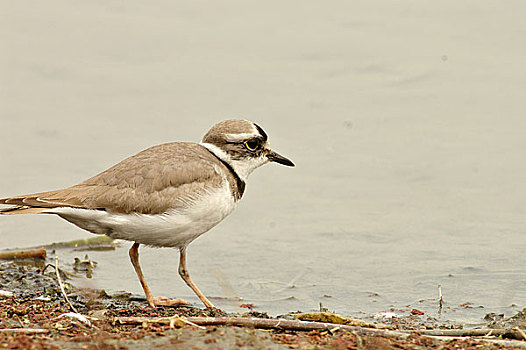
(150, 182)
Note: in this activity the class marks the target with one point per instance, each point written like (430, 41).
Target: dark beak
(274, 157)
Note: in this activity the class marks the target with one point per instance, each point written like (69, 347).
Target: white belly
(174, 228)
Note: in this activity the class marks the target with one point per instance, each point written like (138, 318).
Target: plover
(165, 196)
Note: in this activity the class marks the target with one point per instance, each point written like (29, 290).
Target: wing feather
(163, 177)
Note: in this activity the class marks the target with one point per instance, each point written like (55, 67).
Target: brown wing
(150, 182)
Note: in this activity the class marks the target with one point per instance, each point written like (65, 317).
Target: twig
(61, 285)
(262, 323)
(39, 253)
(514, 333)
(63, 271)
(25, 330)
(358, 340)
(190, 323)
(19, 320)
(440, 299)
(322, 308)
(180, 321)
(520, 332)
(295, 325)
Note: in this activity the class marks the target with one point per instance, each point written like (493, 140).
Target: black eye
(252, 144)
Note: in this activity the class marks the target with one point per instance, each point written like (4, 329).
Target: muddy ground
(35, 315)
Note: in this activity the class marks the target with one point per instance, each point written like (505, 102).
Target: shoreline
(35, 314)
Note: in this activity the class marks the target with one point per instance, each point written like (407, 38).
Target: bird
(164, 196)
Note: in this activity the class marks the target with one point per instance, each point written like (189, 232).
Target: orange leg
(152, 301)
(183, 272)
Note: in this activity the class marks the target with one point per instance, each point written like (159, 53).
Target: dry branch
(263, 323)
(295, 325)
(39, 253)
(25, 330)
(513, 333)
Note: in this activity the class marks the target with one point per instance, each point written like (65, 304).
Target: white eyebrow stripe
(241, 137)
(217, 151)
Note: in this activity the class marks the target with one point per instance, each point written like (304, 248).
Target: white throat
(243, 168)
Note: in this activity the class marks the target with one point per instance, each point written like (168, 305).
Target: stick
(263, 323)
(514, 333)
(61, 285)
(440, 299)
(39, 253)
(19, 320)
(520, 332)
(25, 330)
(294, 325)
(464, 332)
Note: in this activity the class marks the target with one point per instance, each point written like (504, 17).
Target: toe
(164, 301)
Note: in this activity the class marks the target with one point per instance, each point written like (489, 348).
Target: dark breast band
(240, 184)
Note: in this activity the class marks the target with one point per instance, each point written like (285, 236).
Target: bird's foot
(165, 301)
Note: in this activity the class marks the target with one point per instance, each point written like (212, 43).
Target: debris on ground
(35, 315)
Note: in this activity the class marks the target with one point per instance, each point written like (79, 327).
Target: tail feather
(27, 200)
(29, 204)
(21, 210)
(26, 204)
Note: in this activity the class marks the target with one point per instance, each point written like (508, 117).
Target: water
(406, 122)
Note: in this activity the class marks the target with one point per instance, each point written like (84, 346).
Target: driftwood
(39, 253)
(295, 325)
(25, 330)
(95, 243)
(262, 323)
(514, 333)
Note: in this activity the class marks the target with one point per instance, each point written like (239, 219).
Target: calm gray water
(406, 121)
